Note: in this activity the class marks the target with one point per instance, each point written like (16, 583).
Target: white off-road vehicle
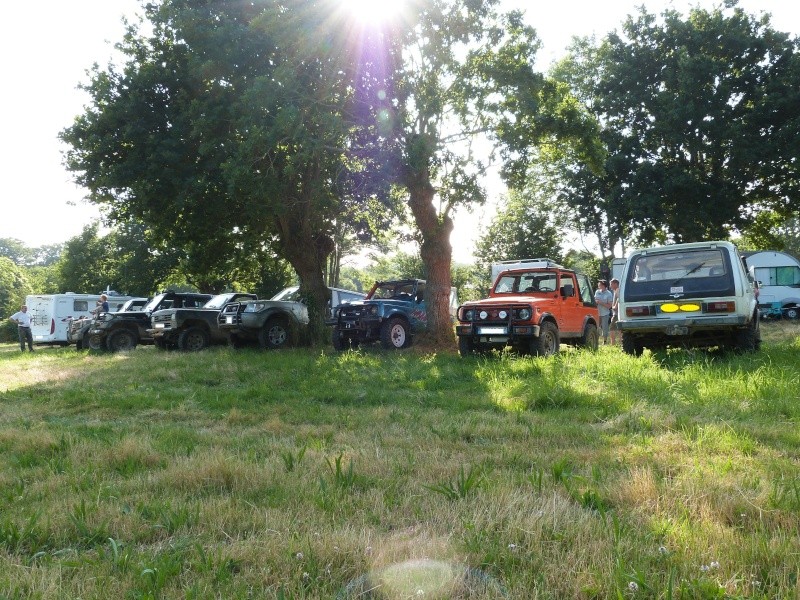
(688, 295)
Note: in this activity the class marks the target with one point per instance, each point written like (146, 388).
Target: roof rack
(522, 263)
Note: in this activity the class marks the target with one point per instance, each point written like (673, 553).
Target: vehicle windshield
(153, 304)
(290, 294)
(218, 301)
(402, 290)
(528, 282)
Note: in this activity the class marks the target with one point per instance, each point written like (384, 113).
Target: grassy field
(307, 474)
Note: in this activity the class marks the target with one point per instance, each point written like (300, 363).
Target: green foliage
(462, 486)
(14, 286)
(685, 103)
(525, 227)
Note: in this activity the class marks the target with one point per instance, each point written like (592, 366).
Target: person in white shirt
(604, 299)
(23, 321)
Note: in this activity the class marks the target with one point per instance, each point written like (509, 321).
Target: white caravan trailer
(51, 313)
(778, 276)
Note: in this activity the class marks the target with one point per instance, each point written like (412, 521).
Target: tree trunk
(436, 253)
(307, 252)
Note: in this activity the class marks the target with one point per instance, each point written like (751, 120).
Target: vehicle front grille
(231, 314)
(352, 312)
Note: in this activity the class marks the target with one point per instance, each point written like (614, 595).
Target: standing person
(101, 305)
(604, 300)
(23, 321)
(614, 283)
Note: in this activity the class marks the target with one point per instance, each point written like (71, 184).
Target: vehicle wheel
(791, 312)
(590, 339)
(121, 340)
(466, 345)
(395, 334)
(93, 342)
(547, 343)
(749, 338)
(631, 345)
(275, 334)
(193, 339)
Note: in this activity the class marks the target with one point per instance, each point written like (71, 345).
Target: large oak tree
(229, 126)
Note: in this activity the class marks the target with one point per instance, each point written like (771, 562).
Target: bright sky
(46, 48)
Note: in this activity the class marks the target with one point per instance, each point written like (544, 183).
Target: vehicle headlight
(251, 308)
(524, 314)
(373, 310)
(502, 314)
(469, 315)
(483, 314)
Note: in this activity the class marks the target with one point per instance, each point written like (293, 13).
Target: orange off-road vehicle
(534, 305)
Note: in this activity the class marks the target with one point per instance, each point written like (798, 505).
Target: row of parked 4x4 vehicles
(684, 295)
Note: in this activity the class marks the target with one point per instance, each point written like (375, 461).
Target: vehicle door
(418, 314)
(571, 304)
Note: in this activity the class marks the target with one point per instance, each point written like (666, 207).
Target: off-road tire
(93, 342)
(466, 345)
(395, 334)
(275, 334)
(548, 342)
(193, 339)
(121, 340)
(791, 312)
(631, 344)
(591, 338)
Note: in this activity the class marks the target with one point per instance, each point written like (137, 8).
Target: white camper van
(778, 276)
(51, 313)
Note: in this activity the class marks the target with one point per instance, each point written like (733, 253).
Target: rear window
(680, 274)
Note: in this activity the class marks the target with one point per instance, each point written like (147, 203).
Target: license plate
(677, 330)
(160, 325)
(492, 331)
(229, 320)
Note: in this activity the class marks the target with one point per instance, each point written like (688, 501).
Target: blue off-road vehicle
(391, 314)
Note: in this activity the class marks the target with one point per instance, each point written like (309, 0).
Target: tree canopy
(226, 131)
(700, 115)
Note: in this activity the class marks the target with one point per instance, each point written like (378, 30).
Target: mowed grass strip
(311, 474)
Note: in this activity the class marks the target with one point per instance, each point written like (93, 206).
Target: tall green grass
(311, 474)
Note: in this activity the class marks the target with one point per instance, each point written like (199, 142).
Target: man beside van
(23, 321)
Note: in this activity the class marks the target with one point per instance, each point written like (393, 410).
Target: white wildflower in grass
(512, 547)
(714, 565)
(633, 586)
(368, 550)
(306, 576)
(299, 556)
(662, 550)
(420, 593)
(704, 568)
